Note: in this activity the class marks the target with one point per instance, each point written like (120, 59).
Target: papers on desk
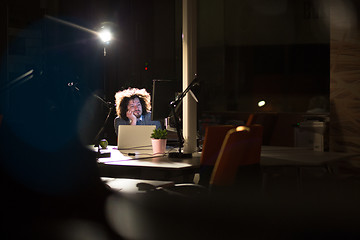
(116, 155)
(140, 158)
(127, 154)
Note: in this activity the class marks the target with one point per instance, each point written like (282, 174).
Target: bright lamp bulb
(105, 36)
(242, 128)
(261, 103)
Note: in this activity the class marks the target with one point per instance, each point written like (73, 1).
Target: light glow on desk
(149, 163)
(142, 158)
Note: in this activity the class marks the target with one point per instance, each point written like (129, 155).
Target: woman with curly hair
(133, 108)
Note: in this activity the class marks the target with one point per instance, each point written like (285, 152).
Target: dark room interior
(288, 68)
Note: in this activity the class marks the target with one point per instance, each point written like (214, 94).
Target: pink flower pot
(158, 145)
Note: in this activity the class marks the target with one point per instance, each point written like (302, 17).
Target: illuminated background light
(105, 35)
(261, 103)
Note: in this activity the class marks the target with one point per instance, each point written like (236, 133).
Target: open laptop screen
(134, 136)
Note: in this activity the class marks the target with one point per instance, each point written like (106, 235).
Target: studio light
(105, 35)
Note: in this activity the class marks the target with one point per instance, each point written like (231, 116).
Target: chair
(241, 149)
(237, 166)
(213, 139)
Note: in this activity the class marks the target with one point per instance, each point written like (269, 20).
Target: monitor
(163, 93)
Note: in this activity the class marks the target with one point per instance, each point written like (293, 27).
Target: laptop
(134, 137)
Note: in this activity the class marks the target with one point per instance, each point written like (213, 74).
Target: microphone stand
(173, 106)
(110, 106)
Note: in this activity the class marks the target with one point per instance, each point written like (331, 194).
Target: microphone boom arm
(173, 106)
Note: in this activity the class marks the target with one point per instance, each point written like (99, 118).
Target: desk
(298, 156)
(274, 159)
(144, 165)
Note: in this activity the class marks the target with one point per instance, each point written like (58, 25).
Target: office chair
(213, 139)
(239, 158)
(237, 166)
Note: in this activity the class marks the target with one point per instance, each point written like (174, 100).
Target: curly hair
(123, 97)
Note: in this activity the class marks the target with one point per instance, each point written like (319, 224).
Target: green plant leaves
(159, 134)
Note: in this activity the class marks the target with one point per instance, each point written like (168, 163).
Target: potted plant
(158, 140)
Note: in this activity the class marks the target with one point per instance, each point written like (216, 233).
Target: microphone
(107, 104)
(73, 85)
(189, 88)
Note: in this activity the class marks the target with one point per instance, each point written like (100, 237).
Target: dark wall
(276, 51)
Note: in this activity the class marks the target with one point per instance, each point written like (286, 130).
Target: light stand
(106, 36)
(173, 105)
